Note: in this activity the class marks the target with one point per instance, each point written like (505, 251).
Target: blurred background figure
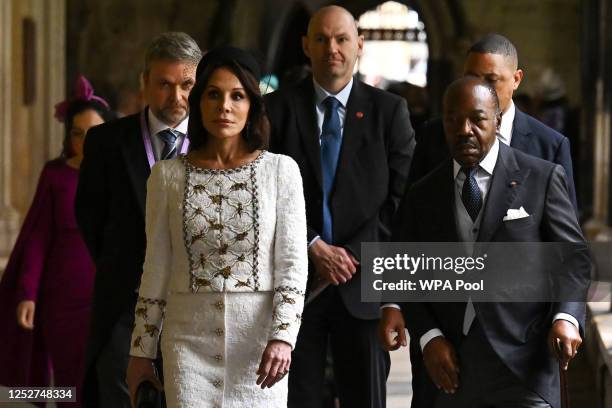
(45, 293)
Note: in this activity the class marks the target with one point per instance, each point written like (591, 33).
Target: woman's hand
(140, 369)
(275, 362)
(25, 314)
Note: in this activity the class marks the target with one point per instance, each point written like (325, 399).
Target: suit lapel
(520, 132)
(307, 125)
(136, 162)
(444, 220)
(507, 179)
(356, 121)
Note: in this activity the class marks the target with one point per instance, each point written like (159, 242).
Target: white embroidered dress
(225, 272)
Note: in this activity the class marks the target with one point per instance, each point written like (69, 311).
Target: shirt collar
(156, 125)
(505, 129)
(487, 164)
(342, 96)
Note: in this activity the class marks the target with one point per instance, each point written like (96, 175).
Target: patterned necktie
(169, 137)
(471, 195)
(331, 139)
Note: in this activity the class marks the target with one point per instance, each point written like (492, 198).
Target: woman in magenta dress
(45, 293)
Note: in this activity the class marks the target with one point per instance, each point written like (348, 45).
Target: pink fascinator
(83, 91)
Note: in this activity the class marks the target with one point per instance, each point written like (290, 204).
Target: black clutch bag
(147, 396)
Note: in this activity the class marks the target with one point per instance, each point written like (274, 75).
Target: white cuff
(313, 241)
(392, 305)
(568, 317)
(430, 335)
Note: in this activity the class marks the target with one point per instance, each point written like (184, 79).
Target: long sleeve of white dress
(290, 253)
(153, 291)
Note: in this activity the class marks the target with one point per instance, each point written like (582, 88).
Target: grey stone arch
(444, 23)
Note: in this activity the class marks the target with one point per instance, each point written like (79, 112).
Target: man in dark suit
(110, 206)
(353, 144)
(488, 354)
(494, 59)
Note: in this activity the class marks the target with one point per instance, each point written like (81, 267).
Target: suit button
(219, 305)
(219, 332)
(217, 383)
(219, 357)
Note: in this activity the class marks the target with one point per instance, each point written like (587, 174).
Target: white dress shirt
(505, 130)
(156, 126)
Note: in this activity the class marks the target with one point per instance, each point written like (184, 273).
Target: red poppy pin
(359, 115)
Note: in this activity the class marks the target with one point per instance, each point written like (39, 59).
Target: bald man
(354, 146)
(477, 355)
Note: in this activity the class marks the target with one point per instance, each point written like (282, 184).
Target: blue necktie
(471, 195)
(331, 139)
(169, 137)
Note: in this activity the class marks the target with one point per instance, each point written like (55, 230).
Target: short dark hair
(493, 93)
(496, 44)
(74, 109)
(257, 131)
(172, 46)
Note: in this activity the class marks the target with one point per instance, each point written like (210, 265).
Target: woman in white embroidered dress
(226, 262)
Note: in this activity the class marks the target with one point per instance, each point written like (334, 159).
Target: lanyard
(148, 144)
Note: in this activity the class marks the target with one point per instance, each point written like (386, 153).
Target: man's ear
(518, 77)
(360, 40)
(305, 46)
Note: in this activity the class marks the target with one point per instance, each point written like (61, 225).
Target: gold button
(219, 305)
(219, 357)
(219, 332)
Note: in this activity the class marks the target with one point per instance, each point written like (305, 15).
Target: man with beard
(110, 206)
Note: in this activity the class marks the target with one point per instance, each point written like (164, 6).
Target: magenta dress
(50, 264)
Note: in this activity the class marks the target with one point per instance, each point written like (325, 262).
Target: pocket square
(512, 214)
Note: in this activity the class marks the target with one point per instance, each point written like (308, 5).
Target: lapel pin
(359, 115)
(513, 184)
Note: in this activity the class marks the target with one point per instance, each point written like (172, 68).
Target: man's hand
(441, 364)
(334, 265)
(392, 329)
(564, 340)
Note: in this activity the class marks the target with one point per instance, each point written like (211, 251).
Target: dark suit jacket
(528, 135)
(377, 147)
(517, 331)
(110, 212)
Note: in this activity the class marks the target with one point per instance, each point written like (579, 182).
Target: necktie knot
(468, 171)
(331, 104)
(168, 136)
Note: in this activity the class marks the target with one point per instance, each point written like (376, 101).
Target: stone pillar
(8, 215)
(30, 133)
(598, 228)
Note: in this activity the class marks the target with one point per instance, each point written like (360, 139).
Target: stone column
(9, 218)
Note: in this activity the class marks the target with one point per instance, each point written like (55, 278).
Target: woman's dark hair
(256, 133)
(74, 109)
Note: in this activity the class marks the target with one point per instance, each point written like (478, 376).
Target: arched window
(395, 48)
